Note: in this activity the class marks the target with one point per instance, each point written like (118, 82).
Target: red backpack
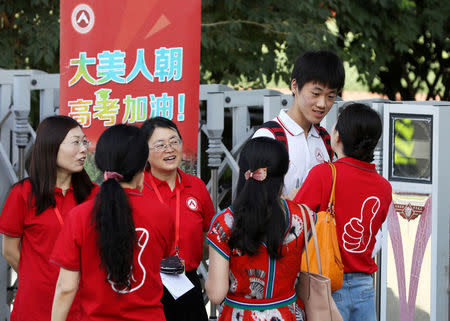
(280, 135)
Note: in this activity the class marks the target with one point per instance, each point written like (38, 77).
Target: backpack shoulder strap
(326, 140)
(277, 131)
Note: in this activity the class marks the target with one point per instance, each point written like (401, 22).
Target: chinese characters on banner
(124, 61)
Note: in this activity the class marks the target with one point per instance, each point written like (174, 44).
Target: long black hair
(121, 149)
(42, 171)
(359, 128)
(258, 212)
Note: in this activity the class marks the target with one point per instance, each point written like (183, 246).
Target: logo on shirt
(319, 155)
(137, 271)
(192, 203)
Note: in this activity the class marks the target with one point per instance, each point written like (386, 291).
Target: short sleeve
(67, 251)
(219, 233)
(263, 132)
(13, 215)
(311, 191)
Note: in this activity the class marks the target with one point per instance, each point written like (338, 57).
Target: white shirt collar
(292, 127)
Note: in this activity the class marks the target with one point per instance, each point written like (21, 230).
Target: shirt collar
(132, 191)
(185, 179)
(357, 163)
(292, 127)
(60, 191)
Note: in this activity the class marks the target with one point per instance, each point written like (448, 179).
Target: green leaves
(242, 40)
(29, 34)
(407, 38)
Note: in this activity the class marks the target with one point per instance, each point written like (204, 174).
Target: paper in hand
(176, 284)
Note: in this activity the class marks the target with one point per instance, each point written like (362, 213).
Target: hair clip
(112, 175)
(258, 175)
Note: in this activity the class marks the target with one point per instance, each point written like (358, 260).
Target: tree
(29, 34)
(398, 46)
(243, 40)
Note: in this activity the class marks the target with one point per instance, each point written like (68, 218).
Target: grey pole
(214, 128)
(21, 100)
(21, 108)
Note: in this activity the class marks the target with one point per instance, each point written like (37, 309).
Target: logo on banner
(83, 18)
(409, 206)
(408, 211)
(192, 203)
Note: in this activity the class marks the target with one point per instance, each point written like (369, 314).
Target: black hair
(42, 171)
(323, 67)
(359, 128)
(258, 211)
(149, 126)
(121, 149)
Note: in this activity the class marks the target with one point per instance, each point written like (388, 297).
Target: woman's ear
(338, 137)
(140, 181)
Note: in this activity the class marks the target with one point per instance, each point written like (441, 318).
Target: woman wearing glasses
(110, 248)
(187, 197)
(35, 211)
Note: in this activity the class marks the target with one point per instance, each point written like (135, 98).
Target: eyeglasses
(79, 143)
(175, 144)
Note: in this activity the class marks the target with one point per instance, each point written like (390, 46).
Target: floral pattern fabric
(261, 288)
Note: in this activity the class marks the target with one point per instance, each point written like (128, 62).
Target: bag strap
(277, 130)
(313, 230)
(333, 189)
(177, 210)
(326, 140)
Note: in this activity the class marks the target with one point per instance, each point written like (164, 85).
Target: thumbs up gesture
(358, 231)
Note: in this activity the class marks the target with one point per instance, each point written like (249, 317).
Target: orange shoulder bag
(330, 255)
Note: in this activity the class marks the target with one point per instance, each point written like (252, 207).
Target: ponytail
(121, 153)
(116, 232)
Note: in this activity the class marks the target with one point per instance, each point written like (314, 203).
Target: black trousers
(188, 307)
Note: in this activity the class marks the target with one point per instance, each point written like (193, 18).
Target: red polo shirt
(37, 277)
(362, 202)
(76, 249)
(196, 212)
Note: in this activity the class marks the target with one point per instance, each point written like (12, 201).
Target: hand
(291, 195)
(355, 238)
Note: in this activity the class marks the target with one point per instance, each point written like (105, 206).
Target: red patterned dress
(261, 288)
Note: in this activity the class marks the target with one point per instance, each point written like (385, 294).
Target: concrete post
(214, 128)
(21, 100)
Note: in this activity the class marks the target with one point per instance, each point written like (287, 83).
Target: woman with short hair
(166, 183)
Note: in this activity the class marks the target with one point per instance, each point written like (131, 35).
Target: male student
(317, 78)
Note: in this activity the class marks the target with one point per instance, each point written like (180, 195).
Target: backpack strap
(277, 130)
(326, 140)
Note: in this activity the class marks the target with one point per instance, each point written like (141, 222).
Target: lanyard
(177, 209)
(58, 216)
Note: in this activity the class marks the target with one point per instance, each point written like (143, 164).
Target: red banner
(124, 61)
